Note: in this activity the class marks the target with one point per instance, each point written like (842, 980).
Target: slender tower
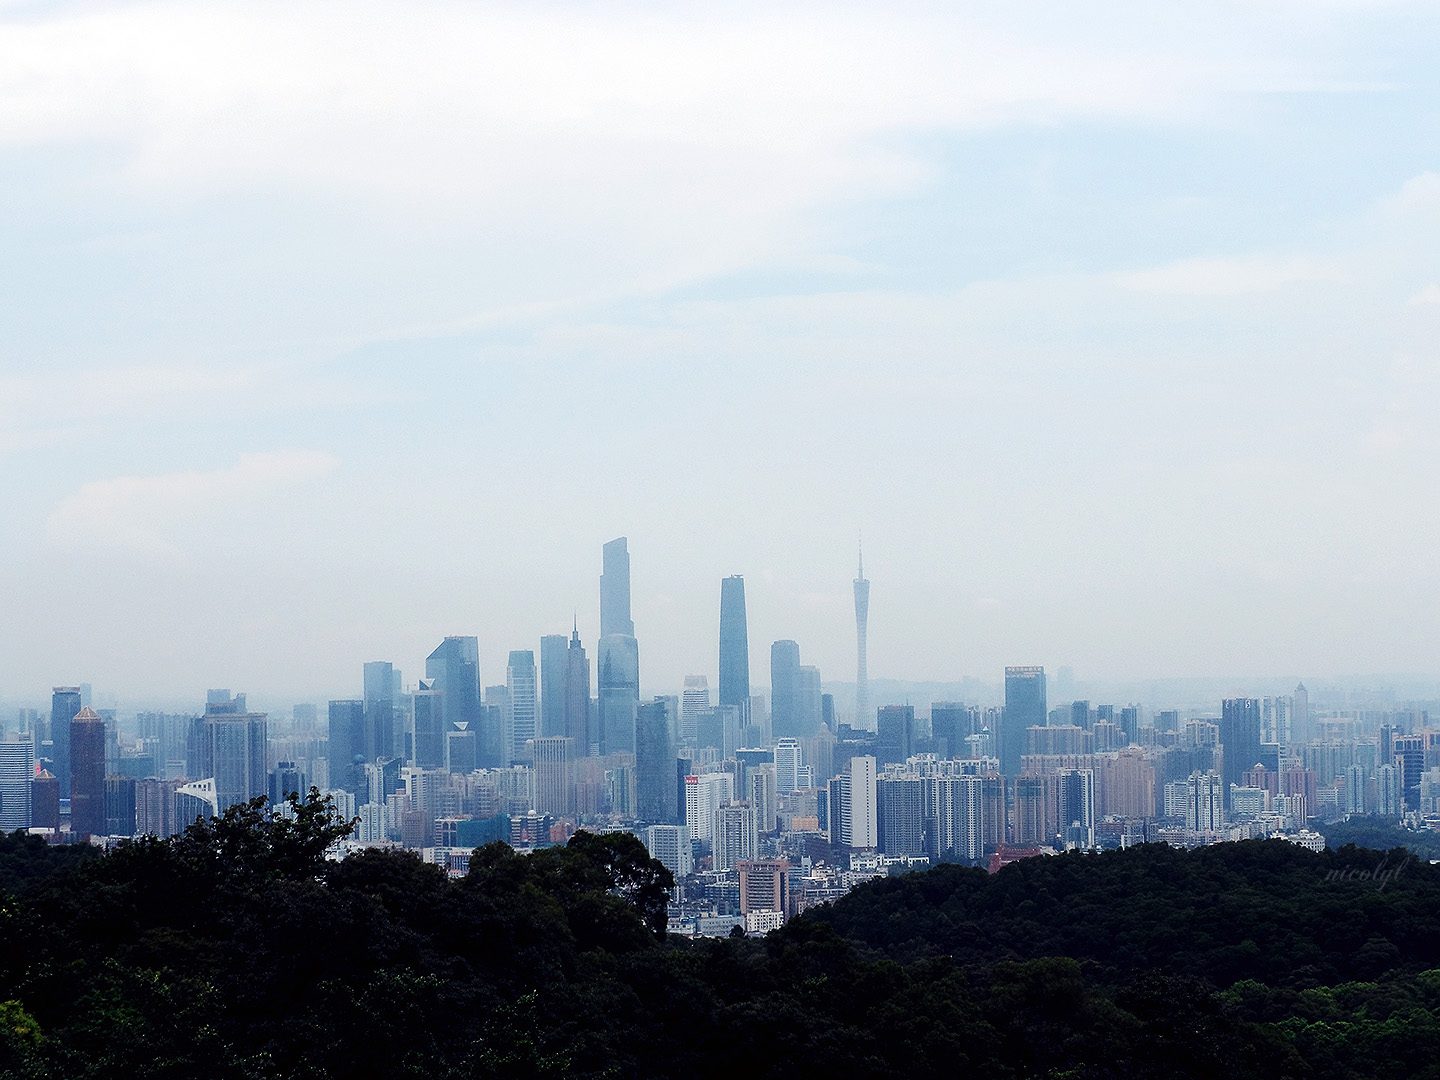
(863, 716)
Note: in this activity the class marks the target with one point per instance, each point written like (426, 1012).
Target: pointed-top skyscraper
(863, 714)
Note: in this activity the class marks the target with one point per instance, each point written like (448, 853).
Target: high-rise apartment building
(853, 805)
(704, 794)
(1205, 803)
(694, 700)
(669, 845)
(900, 815)
(1024, 708)
(235, 745)
(734, 647)
(735, 835)
(87, 774)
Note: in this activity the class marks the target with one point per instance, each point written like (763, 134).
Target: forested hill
(238, 951)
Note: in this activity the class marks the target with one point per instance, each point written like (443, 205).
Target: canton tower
(863, 716)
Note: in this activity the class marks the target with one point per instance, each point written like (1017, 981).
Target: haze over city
(328, 334)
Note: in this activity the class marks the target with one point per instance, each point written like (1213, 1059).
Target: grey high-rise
(785, 689)
(520, 679)
(617, 685)
(577, 697)
(1240, 736)
(615, 589)
(379, 683)
(734, 647)
(1024, 709)
(346, 744)
(655, 777)
(864, 718)
(65, 704)
(454, 670)
(553, 649)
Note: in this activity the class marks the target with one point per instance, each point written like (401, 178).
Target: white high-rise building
(854, 816)
(788, 761)
(693, 701)
(1205, 806)
(763, 794)
(735, 836)
(959, 816)
(670, 846)
(704, 794)
(520, 680)
(17, 770)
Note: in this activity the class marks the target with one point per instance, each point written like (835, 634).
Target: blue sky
(329, 331)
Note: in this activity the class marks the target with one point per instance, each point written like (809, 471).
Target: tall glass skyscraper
(346, 744)
(454, 670)
(520, 679)
(785, 690)
(617, 666)
(615, 589)
(380, 734)
(734, 647)
(655, 777)
(65, 704)
(87, 774)
(577, 697)
(553, 661)
(1024, 708)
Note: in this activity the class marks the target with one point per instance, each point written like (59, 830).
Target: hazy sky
(330, 329)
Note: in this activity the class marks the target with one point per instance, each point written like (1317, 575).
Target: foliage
(239, 950)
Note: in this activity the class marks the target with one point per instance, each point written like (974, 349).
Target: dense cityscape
(760, 805)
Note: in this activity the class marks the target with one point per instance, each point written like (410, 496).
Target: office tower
(1387, 791)
(554, 778)
(655, 762)
(704, 794)
(345, 748)
(788, 760)
(1300, 727)
(1024, 708)
(379, 683)
(762, 792)
(617, 679)
(894, 734)
(1204, 806)
(45, 801)
(428, 727)
(764, 885)
(669, 845)
(694, 700)
(65, 704)
(577, 697)
(811, 702)
(735, 836)
(235, 744)
(900, 815)
(17, 770)
(120, 805)
(462, 749)
(1076, 808)
(852, 800)
(87, 774)
(1240, 738)
(949, 726)
(862, 672)
(734, 647)
(520, 680)
(615, 590)
(454, 669)
(284, 780)
(1080, 713)
(553, 661)
(785, 689)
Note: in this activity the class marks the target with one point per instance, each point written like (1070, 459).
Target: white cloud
(1238, 276)
(146, 512)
